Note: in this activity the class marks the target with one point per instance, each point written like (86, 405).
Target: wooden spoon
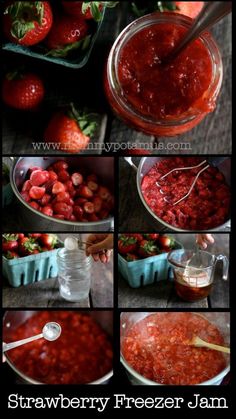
(196, 341)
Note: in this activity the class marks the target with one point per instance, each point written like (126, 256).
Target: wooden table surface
(46, 292)
(84, 86)
(162, 294)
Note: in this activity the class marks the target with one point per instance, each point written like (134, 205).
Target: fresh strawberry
(152, 236)
(39, 177)
(66, 35)
(34, 205)
(127, 244)
(189, 8)
(27, 22)
(89, 207)
(97, 202)
(11, 255)
(58, 187)
(130, 257)
(48, 240)
(77, 179)
(24, 91)
(138, 237)
(166, 241)
(147, 249)
(104, 192)
(20, 235)
(85, 192)
(25, 196)
(78, 212)
(37, 192)
(92, 185)
(63, 176)
(27, 246)
(9, 242)
(47, 210)
(60, 165)
(63, 209)
(88, 9)
(26, 186)
(71, 130)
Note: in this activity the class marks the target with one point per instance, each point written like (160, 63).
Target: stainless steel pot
(145, 165)
(36, 221)
(13, 319)
(127, 320)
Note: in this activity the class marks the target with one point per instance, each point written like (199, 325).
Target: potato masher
(204, 165)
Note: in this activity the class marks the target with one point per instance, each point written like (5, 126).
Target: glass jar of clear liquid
(74, 274)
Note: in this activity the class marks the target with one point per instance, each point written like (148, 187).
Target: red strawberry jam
(157, 96)
(158, 347)
(82, 354)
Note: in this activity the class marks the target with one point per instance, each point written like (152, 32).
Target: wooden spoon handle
(202, 343)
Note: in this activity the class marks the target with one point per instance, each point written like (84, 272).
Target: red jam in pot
(165, 91)
(158, 348)
(207, 206)
(158, 97)
(82, 354)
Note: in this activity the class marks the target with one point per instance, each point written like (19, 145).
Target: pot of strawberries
(75, 193)
(142, 258)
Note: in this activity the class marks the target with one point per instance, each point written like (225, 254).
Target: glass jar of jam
(155, 96)
(74, 274)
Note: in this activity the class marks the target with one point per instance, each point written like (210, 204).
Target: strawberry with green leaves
(28, 246)
(23, 91)
(166, 242)
(137, 236)
(147, 248)
(48, 241)
(71, 130)
(27, 22)
(127, 245)
(88, 9)
(67, 34)
(9, 242)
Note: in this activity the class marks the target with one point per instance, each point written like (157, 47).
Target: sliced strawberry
(39, 177)
(37, 192)
(85, 192)
(89, 207)
(77, 179)
(57, 188)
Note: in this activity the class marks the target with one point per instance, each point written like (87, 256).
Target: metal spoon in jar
(212, 12)
(198, 342)
(51, 331)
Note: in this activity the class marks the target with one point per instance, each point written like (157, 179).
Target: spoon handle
(212, 12)
(12, 345)
(202, 343)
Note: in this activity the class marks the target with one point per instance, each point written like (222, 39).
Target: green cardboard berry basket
(30, 269)
(146, 271)
(78, 59)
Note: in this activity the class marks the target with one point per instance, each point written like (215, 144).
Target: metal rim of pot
(93, 224)
(139, 176)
